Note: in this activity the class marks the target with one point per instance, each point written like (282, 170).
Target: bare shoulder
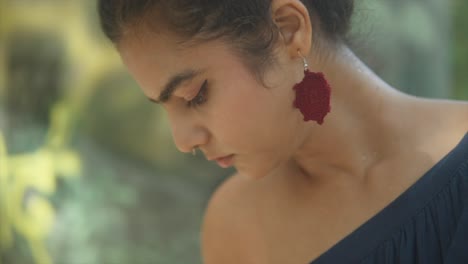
(229, 231)
(463, 106)
(448, 121)
(449, 114)
(465, 114)
(460, 115)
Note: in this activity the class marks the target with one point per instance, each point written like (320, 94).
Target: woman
(364, 174)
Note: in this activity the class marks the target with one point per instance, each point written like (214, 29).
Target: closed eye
(201, 97)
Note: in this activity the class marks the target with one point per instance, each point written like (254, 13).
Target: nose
(188, 134)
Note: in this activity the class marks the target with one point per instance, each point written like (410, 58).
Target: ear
(293, 21)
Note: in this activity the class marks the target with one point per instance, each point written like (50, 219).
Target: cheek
(255, 119)
(247, 113)
(260, 128)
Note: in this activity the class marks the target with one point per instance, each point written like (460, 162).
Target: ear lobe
(293, 22)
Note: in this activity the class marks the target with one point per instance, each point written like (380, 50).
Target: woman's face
(219, 106)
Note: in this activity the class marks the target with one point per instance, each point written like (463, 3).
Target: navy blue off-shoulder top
(426, 224)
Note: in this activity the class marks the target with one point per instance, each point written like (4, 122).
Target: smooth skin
(299, 187)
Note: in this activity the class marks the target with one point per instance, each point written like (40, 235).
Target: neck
(364, 125)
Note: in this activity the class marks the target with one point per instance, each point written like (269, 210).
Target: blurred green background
(88, 170)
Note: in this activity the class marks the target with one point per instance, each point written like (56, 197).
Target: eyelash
(200, 98)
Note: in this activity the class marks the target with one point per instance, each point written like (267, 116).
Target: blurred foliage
(407, 43)
(25, 182)
(88, 170)
(460, 54)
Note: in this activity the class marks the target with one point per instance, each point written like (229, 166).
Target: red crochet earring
(312, 95)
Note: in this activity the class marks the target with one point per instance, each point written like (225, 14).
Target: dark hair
(247, 25)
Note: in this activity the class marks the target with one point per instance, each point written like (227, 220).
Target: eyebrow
(173, 84)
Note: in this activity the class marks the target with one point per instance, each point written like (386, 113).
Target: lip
(226, 161)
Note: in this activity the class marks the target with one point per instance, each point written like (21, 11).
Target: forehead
(153, 58)
(158, 50)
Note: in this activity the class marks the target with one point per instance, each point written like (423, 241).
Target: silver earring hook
(194, 151)
(306, 64)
